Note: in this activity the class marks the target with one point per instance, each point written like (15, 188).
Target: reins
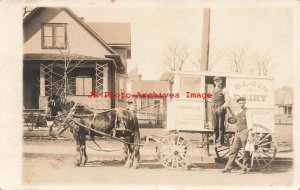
(69, 118)
(100, 149)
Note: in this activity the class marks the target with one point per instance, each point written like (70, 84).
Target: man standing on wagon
(220, 101)
(242, 134)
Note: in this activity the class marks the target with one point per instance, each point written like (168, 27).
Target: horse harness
(116, 125)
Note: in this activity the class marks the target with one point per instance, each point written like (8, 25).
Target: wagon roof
(170, 75)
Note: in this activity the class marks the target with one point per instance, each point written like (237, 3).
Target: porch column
(105, 78)
(46, 79)
(101, 78)
(42, 80)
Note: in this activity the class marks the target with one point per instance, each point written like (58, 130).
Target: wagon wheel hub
(176, 152)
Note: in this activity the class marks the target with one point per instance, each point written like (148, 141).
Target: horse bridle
(67, 119)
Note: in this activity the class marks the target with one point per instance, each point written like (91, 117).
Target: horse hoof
(135, 167)
(126, 166)
(77, 165)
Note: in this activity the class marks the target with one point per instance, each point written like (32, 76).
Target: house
(63, 54)
(284, 101)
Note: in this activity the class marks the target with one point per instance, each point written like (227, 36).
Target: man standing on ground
(243, 132)
(53, 112)
(220, 101)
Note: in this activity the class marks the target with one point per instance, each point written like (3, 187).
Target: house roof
(112, 33)
(80, 21)
(284, 96)
(167, 76)
(53, 56)
(84, 25)
(149, 86)
(56, 57)
(279, 98)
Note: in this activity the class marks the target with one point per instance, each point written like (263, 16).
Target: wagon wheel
(173, 151)
(222, 152)
(265, 147)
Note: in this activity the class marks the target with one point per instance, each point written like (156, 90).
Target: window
(84, 85)
(189, 84)
(54, 36)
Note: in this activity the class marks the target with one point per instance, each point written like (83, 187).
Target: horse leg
(128, 162)
(83, 148)
(76, 137)
(125, 153)
(136, 150)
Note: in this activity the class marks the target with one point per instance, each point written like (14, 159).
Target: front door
(31, 87)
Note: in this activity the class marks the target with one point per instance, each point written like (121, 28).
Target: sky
(263, 31)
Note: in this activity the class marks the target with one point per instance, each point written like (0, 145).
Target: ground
(51, 162)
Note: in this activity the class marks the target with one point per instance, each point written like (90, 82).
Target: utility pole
(205, 156)
(205, 40)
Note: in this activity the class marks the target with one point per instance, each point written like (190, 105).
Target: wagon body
(193, 113)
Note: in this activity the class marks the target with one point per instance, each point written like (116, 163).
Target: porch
(73, 77)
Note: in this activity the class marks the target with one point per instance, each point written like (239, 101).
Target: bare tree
(67, 63)
(176, 56)
(237, 59)
(263, 63)
(62, 65)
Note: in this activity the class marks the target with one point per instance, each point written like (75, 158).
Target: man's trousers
(240, 140)
(218, 119)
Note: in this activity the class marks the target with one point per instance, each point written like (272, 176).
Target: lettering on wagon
(251, 90)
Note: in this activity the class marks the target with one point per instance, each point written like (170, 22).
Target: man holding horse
(52, 113)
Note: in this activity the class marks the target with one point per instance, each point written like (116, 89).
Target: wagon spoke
(177, 164)
(172, 161)
(166, 157)
(257, 160)
(178, 138)
(265, 143)
(263, 138)
(262, 158)
(223, 149)
(267, 155)
(225, 153)
(240, 158)
(182, 157)
(181, 143)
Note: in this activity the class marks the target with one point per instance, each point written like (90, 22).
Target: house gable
(80, 38)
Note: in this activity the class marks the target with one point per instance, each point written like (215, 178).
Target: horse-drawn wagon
(189, 122)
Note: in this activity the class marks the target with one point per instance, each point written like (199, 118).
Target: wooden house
(63, 54)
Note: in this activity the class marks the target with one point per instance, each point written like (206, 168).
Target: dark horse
(117, 122)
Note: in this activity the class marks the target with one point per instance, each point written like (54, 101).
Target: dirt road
(52, 163)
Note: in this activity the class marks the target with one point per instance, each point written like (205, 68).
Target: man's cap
(241, 99)
(217, 78)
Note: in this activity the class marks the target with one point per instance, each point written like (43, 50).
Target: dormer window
(54, 36)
